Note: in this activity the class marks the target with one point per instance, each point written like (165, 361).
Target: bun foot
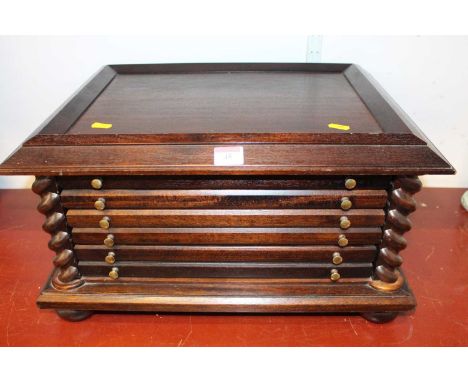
(380, 317)
(74, 315)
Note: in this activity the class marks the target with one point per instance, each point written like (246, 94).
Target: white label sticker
(229, 156)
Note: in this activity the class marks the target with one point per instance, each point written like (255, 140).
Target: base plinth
(218, 295)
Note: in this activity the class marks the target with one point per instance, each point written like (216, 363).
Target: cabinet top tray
(194, 105)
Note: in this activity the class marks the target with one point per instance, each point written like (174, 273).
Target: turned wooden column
(401, 204)
(66, 275)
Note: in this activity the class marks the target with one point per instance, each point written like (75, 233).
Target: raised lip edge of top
(396, 126)
(398, 129)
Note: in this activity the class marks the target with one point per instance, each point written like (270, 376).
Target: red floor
(436, 264)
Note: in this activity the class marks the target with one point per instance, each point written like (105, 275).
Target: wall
(425, 75)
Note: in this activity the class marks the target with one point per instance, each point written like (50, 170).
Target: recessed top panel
(227, 102)
(228, 119)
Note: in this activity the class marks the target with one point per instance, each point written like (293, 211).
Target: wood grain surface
(203, 95)
(197, 159)
(246, 102)
(227, 270)
(228, 236)
(223, 182)
(227, 253)
(435, 264)
(166, 119)
(225, 218)
(230, 199)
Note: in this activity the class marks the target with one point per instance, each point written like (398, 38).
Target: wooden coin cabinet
(250, 188)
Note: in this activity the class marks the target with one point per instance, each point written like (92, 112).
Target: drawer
(222, 199)
(194, 253)
(234, 270)
(226, 218)
(222, 182)
(227, 236)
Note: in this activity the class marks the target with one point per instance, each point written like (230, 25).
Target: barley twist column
(66, 275)
(401, 204)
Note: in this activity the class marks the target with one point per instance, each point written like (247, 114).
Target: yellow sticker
(338, 126)
(99, 125)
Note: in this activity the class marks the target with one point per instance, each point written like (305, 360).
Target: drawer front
(226, 236)
(325, 227)
(194, 253)
(261, 270)
(226, 218)
(222, 182)
(222, 199)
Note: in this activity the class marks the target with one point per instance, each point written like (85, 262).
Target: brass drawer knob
(337, 259)
(344, 222)
(100, 204)
(350, 183)
(334, 275)
(104, 223)
(96, 183)
(345, 203)
(342, 241)
(109, 241)
(110, 258)
(114, 273)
